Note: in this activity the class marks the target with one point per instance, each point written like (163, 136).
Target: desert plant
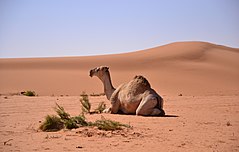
(101, 107)
(109, 125)
(52, 123)
(96, 95)
(29, 93)
(55, 123)
(80, 120)
(86, 106)
(61, 112)
(70, 124)
(83, 94)
(75, 122)
(64, 120)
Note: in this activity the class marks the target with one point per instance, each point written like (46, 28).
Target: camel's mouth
(91, 73)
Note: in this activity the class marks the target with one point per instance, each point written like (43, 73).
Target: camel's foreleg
(115, 106)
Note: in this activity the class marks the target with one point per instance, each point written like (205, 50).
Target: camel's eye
(105, 68)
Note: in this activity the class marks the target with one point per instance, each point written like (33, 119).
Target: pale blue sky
(46, 28)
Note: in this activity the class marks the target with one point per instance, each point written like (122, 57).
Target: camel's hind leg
(148, 107)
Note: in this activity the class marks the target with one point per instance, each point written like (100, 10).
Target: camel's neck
(108, 87)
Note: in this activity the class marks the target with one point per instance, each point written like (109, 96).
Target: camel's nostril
(91, 73)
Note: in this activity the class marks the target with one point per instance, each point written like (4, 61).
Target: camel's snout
(91, 73)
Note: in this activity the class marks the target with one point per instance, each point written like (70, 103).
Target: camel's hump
(142, 80)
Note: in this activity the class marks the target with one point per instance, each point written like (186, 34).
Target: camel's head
(99, 71)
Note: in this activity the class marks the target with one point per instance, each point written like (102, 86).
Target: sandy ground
(193, 123)
(204, 118)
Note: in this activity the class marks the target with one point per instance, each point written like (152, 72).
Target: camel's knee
(115, 107)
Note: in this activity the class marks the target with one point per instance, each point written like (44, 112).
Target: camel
(135, 97)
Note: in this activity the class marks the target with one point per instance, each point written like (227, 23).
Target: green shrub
(75, 122)
(97, 95)
(70, 124)
(86, 106)
(52, 123)
(83, 94)
(55, 123)
(61, 112)
(29, 93)
(109, 125)
(101, 107)
(64, 120)
(80, 120)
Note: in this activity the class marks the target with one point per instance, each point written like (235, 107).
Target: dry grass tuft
(52, 123)
(86, 106)
(97, 95)
(109, 125)
(29, 93)
(64, 120)
(101, 107)
(61, 112)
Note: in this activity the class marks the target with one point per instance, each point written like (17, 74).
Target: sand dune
(192, 68)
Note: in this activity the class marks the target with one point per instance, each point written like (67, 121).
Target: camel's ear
(107, 68)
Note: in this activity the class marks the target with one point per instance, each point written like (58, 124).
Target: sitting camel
(135, 97)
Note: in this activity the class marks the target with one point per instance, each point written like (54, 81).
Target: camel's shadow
(121, 113)
(170, 116)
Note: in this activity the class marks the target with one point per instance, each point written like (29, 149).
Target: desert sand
(199, 82)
